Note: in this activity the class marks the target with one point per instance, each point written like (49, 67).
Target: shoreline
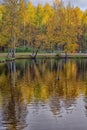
(43, 56)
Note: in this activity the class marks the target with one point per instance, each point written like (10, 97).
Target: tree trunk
(34, 54)
(13, 53)
(65, 55)
(8, 52)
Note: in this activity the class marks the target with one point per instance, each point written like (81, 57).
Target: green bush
(23, 49)
(58, 55)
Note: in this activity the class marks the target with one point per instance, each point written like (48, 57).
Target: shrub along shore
(4, 59)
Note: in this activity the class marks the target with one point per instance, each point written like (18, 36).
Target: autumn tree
(84, 32)
(37, 26)
(2, 10)
(62, 29)
(24, 20)
(10, 24)
(55, 28)
(70, 37)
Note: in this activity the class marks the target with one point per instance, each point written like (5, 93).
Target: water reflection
(35, 94)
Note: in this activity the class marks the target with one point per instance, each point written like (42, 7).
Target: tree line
(42, 27)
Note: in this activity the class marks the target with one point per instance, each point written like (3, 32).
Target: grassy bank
(2, 59)
(42, 55)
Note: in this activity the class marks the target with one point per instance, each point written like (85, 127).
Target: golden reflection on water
(52, 82)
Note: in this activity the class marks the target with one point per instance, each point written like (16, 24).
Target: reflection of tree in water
(85, 96)
(47, 78)
(81, 68)
(57, 83)
(82, 76)
(55, 105)
(85, 106)
(14, 109)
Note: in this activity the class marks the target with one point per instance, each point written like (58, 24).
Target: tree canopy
(44, 27)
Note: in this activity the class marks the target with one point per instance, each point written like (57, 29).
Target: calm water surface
(43, 95)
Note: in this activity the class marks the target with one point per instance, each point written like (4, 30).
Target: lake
(43, 95)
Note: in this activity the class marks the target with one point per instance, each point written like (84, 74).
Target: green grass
(10, 59)
(27, 55)
(78, 57)
(2, 59)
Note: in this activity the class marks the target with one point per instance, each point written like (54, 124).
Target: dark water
(43, 95)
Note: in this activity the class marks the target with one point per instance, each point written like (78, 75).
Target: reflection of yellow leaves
(44, 92)
(43, 86)
(27, 93)
(3, 80)
(43, 82)
(0, 99)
